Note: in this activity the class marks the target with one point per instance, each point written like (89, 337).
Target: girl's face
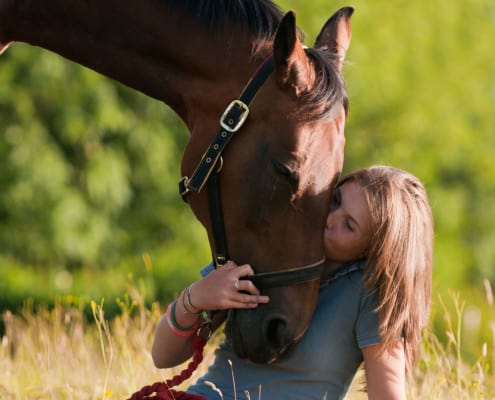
(348, 227)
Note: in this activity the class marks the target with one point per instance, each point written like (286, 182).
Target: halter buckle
(184, 187)
(234, 116)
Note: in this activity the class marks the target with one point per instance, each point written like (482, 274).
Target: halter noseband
(208, 173)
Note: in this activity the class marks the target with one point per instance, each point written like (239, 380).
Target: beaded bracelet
(175, 327)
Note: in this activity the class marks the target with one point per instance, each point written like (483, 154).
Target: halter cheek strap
(287, 277)
(207, 171)
(231, 121)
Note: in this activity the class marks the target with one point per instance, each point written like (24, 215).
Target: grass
(56, 354)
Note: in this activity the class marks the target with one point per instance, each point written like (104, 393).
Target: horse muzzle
(266, 333)
(259, 335)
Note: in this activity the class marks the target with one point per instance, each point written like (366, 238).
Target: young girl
(374, 300)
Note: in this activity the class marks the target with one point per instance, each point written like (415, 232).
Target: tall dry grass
(57, 354)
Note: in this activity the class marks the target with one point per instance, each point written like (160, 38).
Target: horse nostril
(275, 332)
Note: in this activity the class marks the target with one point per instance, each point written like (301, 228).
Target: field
(57, 354)
(89, 171)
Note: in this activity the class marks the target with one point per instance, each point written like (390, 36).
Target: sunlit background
(88, 168)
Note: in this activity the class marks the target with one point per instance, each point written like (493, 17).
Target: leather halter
(207, 172)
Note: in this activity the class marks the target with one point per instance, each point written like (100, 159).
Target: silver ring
(237, 284)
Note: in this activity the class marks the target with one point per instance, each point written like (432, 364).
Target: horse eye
(286, 172)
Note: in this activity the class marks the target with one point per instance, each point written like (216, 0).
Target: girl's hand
(223, 289)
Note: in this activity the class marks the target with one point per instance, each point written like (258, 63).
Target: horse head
(276, 179)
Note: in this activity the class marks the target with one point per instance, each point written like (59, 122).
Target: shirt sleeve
(368, 320)
(207, 269)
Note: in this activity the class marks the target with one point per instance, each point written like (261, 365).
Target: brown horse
(278, 171)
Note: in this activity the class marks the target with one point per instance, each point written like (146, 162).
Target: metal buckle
(183, 186)
(205, 330)
(230, 125)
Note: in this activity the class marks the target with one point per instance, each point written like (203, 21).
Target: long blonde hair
(400, 256)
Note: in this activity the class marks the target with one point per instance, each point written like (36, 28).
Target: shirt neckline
(343, 271)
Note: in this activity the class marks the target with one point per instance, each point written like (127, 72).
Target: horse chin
(242, 333)
(232, 335)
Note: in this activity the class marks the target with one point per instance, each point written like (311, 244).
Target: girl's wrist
(176, 327)
(190, 306)
(188, 310)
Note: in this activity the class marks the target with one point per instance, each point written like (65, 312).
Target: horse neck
(142, 44)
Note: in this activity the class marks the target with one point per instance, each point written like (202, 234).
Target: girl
(374, 300)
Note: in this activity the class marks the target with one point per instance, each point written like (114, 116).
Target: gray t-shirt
(322, 365)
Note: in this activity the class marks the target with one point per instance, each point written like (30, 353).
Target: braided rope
(163, 390)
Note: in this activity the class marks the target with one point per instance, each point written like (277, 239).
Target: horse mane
(261, 19)
(329, 92)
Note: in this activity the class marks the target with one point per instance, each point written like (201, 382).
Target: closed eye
(336, 199)
(286, 172)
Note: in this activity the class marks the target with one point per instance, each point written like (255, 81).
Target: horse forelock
(328, 93)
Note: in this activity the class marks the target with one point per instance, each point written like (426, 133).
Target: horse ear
(292, 67)
(336, 34)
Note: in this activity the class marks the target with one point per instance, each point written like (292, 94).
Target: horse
(273, 147)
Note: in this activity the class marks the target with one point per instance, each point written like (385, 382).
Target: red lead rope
(164, 391)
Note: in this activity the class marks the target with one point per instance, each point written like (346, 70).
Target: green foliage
(89, 168)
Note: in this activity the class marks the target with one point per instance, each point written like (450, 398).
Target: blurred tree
(88, 168)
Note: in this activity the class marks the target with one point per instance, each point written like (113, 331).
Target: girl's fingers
(246, 285)
(241, 270)
(231, 291)
(229, 265)
(249, 299)
(245, 270)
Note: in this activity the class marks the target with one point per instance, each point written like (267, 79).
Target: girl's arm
(216, 291)
(385, 372)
